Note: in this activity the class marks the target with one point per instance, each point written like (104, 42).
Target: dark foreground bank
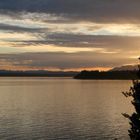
(113, 75)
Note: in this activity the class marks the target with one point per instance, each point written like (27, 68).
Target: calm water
(63, 109)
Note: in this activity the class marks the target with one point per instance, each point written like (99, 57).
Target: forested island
(114, 75)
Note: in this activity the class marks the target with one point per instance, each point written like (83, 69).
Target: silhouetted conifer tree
(134, 92)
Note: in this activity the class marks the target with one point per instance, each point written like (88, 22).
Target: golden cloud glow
(4, 36)
(54, 48)
(36, 20)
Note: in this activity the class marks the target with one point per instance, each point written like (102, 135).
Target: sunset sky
(68, 34)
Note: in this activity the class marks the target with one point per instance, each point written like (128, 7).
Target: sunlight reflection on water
(57, 108)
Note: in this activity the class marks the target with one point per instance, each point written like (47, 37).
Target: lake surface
(63, 109)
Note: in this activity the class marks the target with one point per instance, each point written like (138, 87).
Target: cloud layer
(94, 10)
(62, 34)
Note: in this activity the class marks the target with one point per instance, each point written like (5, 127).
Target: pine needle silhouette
(134, 92)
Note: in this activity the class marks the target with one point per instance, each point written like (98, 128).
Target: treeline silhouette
(134, 118)
(37, 73)
(106, 75)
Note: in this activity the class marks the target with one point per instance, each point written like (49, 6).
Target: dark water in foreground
(63, 109)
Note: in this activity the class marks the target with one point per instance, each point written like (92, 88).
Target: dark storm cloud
(95, 10)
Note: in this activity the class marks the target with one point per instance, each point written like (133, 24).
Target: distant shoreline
(39, 73)
(83, 75)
